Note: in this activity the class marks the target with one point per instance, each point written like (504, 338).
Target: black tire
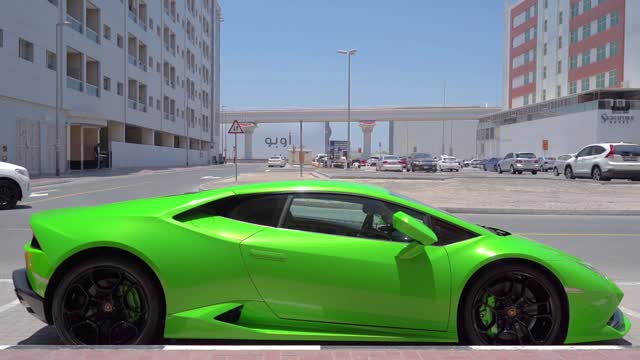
(95, 274)
(534, 172)
(499, 169)
(556, 172)
(513, 170)
(568, 173)
(514, 304)
(519, 172)
(9, 194)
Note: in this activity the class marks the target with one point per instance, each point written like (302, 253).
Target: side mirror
(414, 228)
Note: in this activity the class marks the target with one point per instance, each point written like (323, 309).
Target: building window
(158, 104)
(585, 85)
(544, 49)
(559, 66)
(1, 38)
(107, 32)
(120, 41)
(151, 24)
(545, 26)
(120, 89)
(544, 72)
(586, 5)
(525, 100)
(573, 87)
(560, 18)
(615, 18)
(106, 83)
(600, 81)
(613, 49)
(575, 10)
(25, 50)
(602, 23)
(533, 98)
(151, 101)
(544, 95)
(559, 42)
(51, 60)
(601, 53)
(151, 62)
(573, 62)
(586, 31)
(586, 58)
(558, 91)
(613, 78)
(546, 4)
(53, 2)
(574, 37)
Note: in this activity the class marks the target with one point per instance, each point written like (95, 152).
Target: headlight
(22, 172)
(593, 268)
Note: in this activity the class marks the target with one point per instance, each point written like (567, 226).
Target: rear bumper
(391, 167)
(430, 167)
(622, 173)
(28, 298)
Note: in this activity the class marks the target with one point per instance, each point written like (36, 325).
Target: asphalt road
(610, 243)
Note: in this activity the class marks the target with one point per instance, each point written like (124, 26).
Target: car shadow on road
(47, 335)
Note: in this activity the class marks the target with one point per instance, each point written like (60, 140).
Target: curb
(488, 211)
(36, 184)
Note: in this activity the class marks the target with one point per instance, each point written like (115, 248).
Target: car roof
(311, 186)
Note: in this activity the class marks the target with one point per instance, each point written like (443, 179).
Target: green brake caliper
(487, 314)
(132, 299)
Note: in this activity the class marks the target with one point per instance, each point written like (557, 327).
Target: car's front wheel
(108, 301)
(568, 173)
(512, 305)
(8, 195)
(556, 172)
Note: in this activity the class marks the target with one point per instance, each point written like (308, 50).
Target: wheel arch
(15, 185)
(81, 255)
(514, 261)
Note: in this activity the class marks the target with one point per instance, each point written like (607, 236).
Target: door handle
(268, 255)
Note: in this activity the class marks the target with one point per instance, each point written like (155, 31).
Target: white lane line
(630, 312)
(8, 306)
(628, 283)
(6, 280)
(557, 347)
(35, 194)
(242, 347)
(209, 177)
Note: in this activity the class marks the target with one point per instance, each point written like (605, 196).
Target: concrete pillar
(391, 135)
(367, 129)
(115, 131)
(327, 136)
(248, 129)
(147, 136)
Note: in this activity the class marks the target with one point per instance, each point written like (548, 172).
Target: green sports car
(304, 261)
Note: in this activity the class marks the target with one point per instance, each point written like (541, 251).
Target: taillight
(611, 151)
(518, 161)
(535, 161)
(385, 162)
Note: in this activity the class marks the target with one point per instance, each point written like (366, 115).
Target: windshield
(392, 157)
(423, 156)
(274, 158)
(526, 156)
(627, 150)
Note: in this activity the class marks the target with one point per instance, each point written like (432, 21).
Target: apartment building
(558, 48)
(139, 77)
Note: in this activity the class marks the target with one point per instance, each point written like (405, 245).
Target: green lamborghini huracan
(304, 261)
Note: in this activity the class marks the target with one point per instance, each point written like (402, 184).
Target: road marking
(628, 283)
(209, 177)
(630, 312)
(6, 280)
(556, 347)
(39, 194)
(86, 193)
(242, 347)
(576, 234)
(8, 306)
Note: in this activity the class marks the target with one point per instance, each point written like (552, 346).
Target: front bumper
(28, 298)
(430, 167)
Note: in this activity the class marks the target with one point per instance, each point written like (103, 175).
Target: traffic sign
(545, 145)
(235, 128)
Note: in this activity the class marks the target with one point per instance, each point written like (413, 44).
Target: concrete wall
(125, 155)
(426, 136)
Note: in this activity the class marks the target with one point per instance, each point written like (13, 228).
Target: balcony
(132, 60)
(173, 84)
(142, 107)
(93, 36)
(74, 23)
(143, 24)
(75, 84)
(133, 104)
(167, 82)
(166, 116)
(142, 66)
(173, 117)
(93, 90)
(133, 16)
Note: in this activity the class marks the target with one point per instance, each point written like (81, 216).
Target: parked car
(449, 163)
(603, 162)
(421, 161)
(276, 161)
(15, 185)
(476, 163)
(519, 163)
(558, 165)
(403, 161)
(546, 163)
(339, 162)
(373, 160)
(491, 164)
(466, 163)
(320, 160)
(389, 163)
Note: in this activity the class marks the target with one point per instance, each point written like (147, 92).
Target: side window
(345, 215)
(262, 209)
(509, 156)
(585, 152)
(597, 150)
(448, 233)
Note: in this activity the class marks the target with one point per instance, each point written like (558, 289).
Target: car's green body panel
(295, 285)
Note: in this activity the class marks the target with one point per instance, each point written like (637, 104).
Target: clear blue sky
(282, 53)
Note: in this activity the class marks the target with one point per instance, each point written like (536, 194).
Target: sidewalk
(492, 195)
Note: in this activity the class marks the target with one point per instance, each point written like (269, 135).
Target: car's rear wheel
(513, 170)
(108, 301)
(8, 195)
(534, 172)
(556, 172)
(512, 305)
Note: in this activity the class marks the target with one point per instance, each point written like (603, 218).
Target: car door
(335, 259)
(505, 163)
(582, 161)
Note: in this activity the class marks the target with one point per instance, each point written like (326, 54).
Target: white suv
(603, 162)
(15, 185)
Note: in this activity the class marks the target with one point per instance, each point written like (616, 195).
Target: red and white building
(556, 48)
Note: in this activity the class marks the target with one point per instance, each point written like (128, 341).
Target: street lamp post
(59, 80)
(349, 53)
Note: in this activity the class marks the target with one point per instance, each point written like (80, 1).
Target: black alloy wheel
(519, 306)
(108, 301)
